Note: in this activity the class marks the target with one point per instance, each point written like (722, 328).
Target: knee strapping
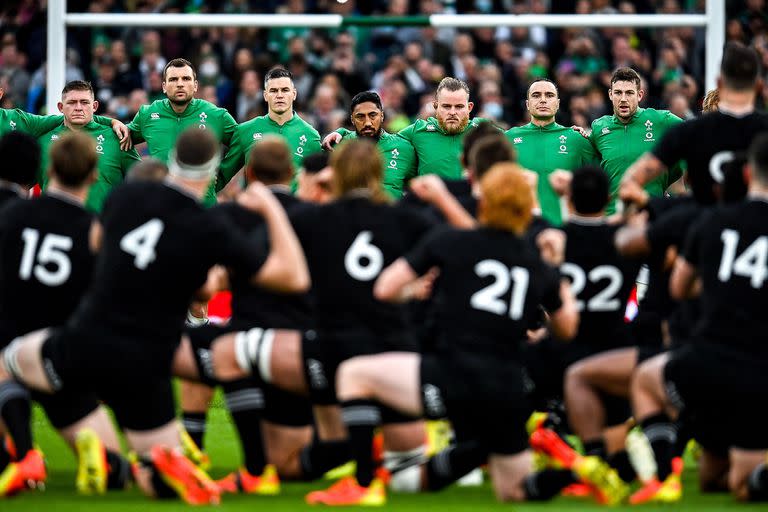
(253, 351)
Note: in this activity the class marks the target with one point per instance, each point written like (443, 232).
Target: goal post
(58, 20)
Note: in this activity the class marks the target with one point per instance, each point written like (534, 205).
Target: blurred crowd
(404, 64)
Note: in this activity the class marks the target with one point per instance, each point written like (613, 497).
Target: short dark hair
(757, 155)
(77, 85)
(537, 80)
(451, 84)
(626, 75)
(196, 147)
(179, 63)
(149, 169)
(589, 190)
(270, 161)
(20, 155)
(316, 162)
(473, 135)
(73, 159)
(365, 97)
(740, 67)
(488, 151)
(277, 72)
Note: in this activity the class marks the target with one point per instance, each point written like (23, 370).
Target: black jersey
(601, 280)
(707, 143)
(347, 244)
(729, 248)
(8, 194)
(491, 286)
(157, 246)
(46, 263)
(255, 305)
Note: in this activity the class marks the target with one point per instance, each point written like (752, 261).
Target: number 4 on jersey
(141, 242)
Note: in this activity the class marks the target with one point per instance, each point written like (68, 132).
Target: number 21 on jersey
(492, 297)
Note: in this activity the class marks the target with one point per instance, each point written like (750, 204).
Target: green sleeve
(233, 161)
(588, 152)
(343, 132)
(671, 119)
(37, 126)
(314, 144)
(230, 125)
(128, 159)
(407, 132)
(103, 120)
(136, 127)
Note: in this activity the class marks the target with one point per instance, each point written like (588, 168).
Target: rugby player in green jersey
(78, 104)
(17, 120)
(398, 156)
(631, 131)
(280, 120)
(543, 146)
(161, 122)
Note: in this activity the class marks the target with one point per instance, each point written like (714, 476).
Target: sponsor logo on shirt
(257, 136)
(605, 131)
(517, 140)
(13, 125)
(54, 137)
(100, 144)
(649, 131)
(154, 115)
(431, 128)
(300, 147)
(203, 119)
(563, 148)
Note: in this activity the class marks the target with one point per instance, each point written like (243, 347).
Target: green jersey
(34, 125)
(159, 125)
(398, 159)
(438, 152)
(545, 149)
(621, 144)
(113, 162)
(300, 136)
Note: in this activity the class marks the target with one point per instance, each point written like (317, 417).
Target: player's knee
(350, 377)
(737, 484)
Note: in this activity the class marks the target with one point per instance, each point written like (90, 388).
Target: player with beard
(281, 120)
(399, 158)
(161, 122)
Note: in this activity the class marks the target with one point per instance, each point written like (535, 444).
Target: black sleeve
(668, 229)
(416, 224)
(693, 239)
(427, 253)
(550, 298)
(670, 148)
(244, 254)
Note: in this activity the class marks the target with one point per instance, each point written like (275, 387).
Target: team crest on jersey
(13, 125)
(431, 128)
(203, 119)
(154, 115)
(563, 148)
(605, 131)
(393, 160)
(100, 144)
(517, 140)
(257, 136)
(54, 137)
(649, 131)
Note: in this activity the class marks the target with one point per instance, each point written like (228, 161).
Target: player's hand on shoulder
(123, 133)
(534, 336)
(560, 181)
(631, 192)
(582, 131)
(331, 140)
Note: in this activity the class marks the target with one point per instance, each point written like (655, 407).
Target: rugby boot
(28, 473)
(92, 466)
(190, 482)
(348, 492)
(668, 491)
(241, 481)
(192, 451)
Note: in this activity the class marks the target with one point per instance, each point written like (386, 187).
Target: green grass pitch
(60, 495)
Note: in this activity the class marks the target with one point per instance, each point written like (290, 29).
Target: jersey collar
(551, 126)
(64, 196)
(586, 221)
(291, 120)
(191, 107)
(15, 187)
